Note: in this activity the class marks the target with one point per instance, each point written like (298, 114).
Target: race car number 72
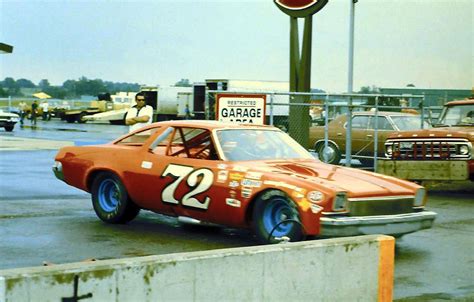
(199, 180)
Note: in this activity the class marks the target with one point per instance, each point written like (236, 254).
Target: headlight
(315, 196)
(58, 166)
(340, 201)
(389, 149)
(464, 150)
(420, 197)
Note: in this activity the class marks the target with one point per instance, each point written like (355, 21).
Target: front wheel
(111, 201)
(276, 216)
(9, 128)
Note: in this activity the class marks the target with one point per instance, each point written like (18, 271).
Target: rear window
(137, 139)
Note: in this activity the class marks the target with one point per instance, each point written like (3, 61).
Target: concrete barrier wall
(345, 269)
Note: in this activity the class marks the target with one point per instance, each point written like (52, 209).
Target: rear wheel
(111, 201)
(333, 154)
(276, 216)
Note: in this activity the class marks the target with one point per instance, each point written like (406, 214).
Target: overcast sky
(428, 43)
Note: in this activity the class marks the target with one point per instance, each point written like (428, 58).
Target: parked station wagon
(363, 130)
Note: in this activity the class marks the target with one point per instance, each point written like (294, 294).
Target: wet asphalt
(43, 220)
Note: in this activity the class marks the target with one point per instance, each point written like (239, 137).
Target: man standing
(139, 115)
(34, 112)
(23, 107)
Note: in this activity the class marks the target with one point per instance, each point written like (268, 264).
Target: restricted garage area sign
(241, 108)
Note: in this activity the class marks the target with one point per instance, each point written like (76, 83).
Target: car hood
(313, 174)
(441, 132)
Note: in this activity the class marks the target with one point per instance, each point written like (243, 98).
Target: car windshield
(404, 122)
(259, 144)
(458, 115)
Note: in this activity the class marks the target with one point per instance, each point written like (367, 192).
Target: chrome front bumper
(396, 225)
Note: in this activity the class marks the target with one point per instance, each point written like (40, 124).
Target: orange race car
(239, 176)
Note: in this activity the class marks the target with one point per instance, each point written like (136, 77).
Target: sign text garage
(241, 108)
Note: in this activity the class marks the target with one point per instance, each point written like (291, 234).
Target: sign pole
(300, 67)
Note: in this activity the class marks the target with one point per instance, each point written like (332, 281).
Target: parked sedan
(240, 176)
(363, 131)
(8, 120)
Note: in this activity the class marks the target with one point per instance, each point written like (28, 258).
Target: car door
(384, 128)
(186, 176)
(359, 133)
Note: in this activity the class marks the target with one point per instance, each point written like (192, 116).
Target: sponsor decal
(246, 192)
(315, 208)
(147, 164)
(221, 166)
(297, 194)
(240, 169)
(222, 176)
(234, 184)
(251, 183)
(254, 175)
(284, 185)
(315, 196)
(236, 176)
(233, 202)
(232, 193)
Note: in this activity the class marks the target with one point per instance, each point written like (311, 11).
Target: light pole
(350, 80)
(350, 74)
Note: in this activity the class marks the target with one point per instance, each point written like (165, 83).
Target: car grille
(432, 149)
(380, 206)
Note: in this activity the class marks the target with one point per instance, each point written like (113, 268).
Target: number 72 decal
(199, 180)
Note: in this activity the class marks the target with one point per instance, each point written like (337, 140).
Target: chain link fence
(340, 128)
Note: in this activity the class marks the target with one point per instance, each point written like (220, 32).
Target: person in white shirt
(139, 115)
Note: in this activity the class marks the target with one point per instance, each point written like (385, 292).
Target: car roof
(468, 101)
(383, 113)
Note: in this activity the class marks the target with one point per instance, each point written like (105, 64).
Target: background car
(8, 120)
(363, 126)
(241, 176)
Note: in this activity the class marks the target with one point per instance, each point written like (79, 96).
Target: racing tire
(9, 128)
(111, 201)
(334, 154)
(271, 211)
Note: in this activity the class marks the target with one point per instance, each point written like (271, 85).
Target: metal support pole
(376, 130)
(271, 109)
(206, 104)
(349, 134)
(422, 104)
(326, 128)
(350, 77)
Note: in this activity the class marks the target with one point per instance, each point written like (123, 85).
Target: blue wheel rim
(275, 212)
(109, 195)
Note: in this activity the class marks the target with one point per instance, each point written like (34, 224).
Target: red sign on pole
(296, 4)
(300, 8)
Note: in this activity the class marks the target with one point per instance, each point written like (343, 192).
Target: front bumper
(396, 225)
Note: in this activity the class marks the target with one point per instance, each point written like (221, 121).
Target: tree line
(69, 89)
